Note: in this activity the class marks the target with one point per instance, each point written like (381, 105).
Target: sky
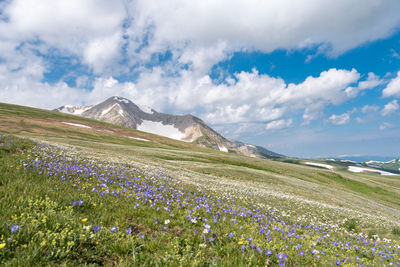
(305, 78)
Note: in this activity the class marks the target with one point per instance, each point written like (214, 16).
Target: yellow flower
(94, 204)
(240, 242)
(2, 245)
(84, 220)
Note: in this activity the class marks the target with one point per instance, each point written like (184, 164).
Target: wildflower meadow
(59, 208)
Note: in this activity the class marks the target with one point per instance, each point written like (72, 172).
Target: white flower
(166, 221)
(203, 245)
(193, 220)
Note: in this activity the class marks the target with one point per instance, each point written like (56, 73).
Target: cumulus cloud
(278, 124)
(253, 25)
(393, 87)
(90, 30)
(340, 119)
(246, 97)
(390, 108)
(197, 33)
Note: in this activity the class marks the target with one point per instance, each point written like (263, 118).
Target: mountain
(364, 158)
(187, 128)
(390, 165)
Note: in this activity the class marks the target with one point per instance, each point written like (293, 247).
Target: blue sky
(305, 78)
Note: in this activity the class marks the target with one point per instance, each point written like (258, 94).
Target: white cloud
(263, 26)
(197, 33)
(90, 30)
(340, 119)
(371, 82)
(393, 88)
(386, 125)
(278, 124)
(390, 108)
(369, 108)
(250, 97)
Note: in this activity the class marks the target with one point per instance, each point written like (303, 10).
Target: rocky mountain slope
(188, 128)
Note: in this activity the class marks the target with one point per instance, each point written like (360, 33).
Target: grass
(43, 186)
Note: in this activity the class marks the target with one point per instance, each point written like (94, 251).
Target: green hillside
(77, 191)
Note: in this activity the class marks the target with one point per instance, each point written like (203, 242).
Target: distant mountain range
(188, 128)
(366, 158)
(382, 163)
(390, 165)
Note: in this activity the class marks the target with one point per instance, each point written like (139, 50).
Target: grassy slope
(337, 187)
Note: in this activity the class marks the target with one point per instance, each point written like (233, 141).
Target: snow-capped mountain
(392, 165)
(73, 109)
(188, 128)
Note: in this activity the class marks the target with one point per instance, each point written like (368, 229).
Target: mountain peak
(188, 128)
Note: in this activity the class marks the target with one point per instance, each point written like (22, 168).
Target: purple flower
(281, 256)
(338, 262)
(211, 239)
(259, 249)
(297, 247)
(129, 231)
(96, 228)
(268, 252)
(244, 248)
(230, 235)
(141, 236)
(114, 229)
(14, 228)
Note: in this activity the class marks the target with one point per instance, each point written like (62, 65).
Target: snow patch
(138, 138)
(373, 161)
(222, 148)
(326, 166)
(121, 99)
(74, 110)
(76, 124)
(359, 169)
(156, 127)
(105, 111)
(145, 109)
